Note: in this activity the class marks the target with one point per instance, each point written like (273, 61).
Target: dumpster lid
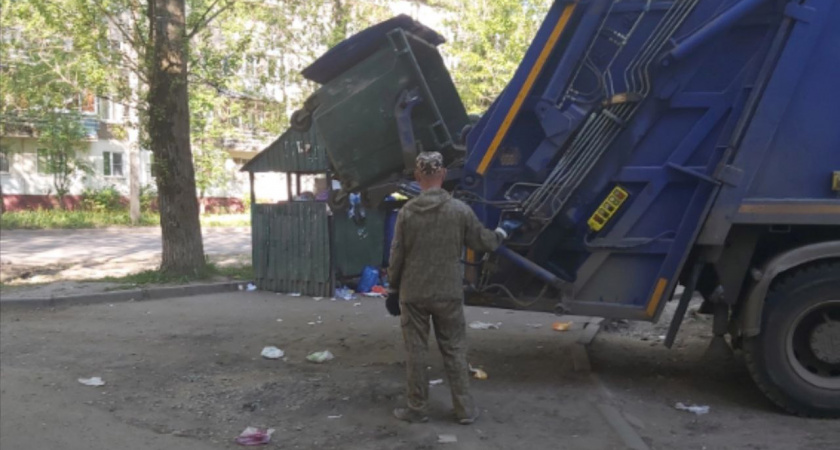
(363, 44)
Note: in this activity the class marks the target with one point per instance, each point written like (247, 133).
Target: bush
(148, 198)
(107, 199)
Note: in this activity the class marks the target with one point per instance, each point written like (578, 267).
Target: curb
(159, 293)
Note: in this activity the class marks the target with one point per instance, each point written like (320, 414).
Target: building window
(5, 160)
(110, 111)
(112, 164)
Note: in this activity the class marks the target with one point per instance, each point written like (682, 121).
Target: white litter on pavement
(485, 325)
(294, 294)
(447, 439)
(535, 325)
(334, 417)
(272, 353)
(435, 382)
(357, 304)
(92, 381)
(251, 287)
(696, 409)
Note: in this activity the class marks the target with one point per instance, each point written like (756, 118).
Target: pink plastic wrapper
(254, 436)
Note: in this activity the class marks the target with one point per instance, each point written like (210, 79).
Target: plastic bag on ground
(320, 357)
(272, 353)
(254, 436)
(369, 279)
(344, 293)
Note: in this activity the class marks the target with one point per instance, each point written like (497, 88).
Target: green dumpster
(386, 95)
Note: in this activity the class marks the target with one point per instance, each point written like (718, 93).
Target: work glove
(509, 227)
(392, 303)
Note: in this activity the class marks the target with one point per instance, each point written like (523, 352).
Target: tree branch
(205, 20)
(135, 7)
(117, 23)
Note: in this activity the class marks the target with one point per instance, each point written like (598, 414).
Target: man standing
(427, 283)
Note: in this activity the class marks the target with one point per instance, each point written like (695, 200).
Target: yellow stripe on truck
(526, 87)
(656, 297)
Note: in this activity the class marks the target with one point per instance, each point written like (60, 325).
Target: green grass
(50, 219)
(156, 277)
(226, 220)
(57, 219)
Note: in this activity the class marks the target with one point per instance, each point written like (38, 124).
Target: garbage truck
(643, 144)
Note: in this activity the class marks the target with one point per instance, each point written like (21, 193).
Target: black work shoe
(469, 420)
(410, 416)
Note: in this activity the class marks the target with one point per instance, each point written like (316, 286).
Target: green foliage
(56, 219)
(61, 137)
(148, 198)
(488, 40)
(107, 199)
(246, 204)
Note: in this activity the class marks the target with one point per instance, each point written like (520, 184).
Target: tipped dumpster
(386, 95)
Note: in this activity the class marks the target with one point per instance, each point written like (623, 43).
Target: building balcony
(15, 125)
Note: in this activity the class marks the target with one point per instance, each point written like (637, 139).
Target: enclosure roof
(293, 151)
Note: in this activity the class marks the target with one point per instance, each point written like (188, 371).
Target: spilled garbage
(696, 409)
(477, 325)
(92, 381)
(561, 326)
(320, 357)
(254, 436)
(272, 353)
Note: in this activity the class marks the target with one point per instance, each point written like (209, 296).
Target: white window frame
(109, 159)
(107, 110)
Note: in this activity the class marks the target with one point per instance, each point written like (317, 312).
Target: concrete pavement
(116, 245)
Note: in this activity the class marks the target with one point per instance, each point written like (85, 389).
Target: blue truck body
(650, 143)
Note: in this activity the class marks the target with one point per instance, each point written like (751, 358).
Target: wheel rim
(813, 345)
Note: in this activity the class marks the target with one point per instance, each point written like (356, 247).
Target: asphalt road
(115, 245)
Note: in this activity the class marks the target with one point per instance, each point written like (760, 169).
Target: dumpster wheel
(301, 120)
(795, 360)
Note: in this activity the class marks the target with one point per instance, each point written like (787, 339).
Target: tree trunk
(133, 180)
(133, 128)
(169, 134)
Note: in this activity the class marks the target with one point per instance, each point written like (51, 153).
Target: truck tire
(795, 360)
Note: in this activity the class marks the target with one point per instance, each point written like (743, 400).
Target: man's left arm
(397, 258)
(395, 267)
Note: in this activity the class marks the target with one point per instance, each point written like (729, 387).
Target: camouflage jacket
(430, 235)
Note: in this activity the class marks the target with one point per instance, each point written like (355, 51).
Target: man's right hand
(392, 303)
(509, 227)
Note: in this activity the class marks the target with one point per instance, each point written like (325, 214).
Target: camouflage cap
(429, 163)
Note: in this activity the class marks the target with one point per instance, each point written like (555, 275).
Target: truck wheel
(795, 360)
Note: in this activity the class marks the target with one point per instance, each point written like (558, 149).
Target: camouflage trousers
(447, 317)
